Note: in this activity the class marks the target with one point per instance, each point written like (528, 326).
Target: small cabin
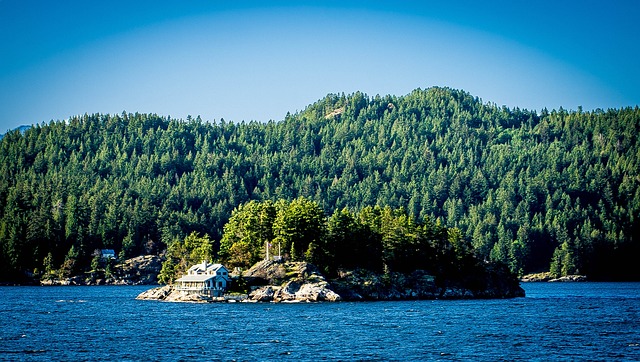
(107, 254)
(205, 279)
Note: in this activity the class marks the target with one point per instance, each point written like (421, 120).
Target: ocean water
(572, 321)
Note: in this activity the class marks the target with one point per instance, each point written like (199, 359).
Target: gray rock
(159, 293)
(570, 278)
(141, 270)
(263, 294)
(290, 282)
(169, 294)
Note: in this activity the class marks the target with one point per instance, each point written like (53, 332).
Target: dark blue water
(576, 321)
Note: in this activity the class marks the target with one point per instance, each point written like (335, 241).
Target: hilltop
(20, 129)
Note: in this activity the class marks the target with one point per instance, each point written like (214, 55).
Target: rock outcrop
(169, 294)
(141, 270)
(288, 282)
(159, 293)
(570, 278)
(366, 285)
(537, 277)
(547, 277)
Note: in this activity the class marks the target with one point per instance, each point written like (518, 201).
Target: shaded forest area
(538, 191)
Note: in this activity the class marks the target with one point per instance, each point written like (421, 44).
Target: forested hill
(552, 190)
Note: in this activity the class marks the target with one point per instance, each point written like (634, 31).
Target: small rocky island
(276, 281)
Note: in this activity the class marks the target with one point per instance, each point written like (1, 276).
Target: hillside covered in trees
(538, 191)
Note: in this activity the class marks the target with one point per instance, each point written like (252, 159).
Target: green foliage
(293, 253)
(517, 184)
(95, 262)
(283, 225)
(248, 231)
(375, 238)
(69, 266)
(352, 242)
(47, 264)
(302, 222)
(182, 254)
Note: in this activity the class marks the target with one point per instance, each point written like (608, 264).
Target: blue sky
(246, 60)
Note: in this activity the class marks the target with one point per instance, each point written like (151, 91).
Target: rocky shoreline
(293, 282)
(547, 277)
(141, 270)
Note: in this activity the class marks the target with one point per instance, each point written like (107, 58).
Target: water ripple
(106, 323)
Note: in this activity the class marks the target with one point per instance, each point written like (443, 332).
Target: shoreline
(547, 278)
(270, 281)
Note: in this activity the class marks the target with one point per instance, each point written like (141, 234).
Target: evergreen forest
(534, 190)
(378, 239)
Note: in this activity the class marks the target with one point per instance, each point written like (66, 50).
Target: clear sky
(257, 60)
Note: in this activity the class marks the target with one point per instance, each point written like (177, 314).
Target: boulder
(317, 292)
(263, 294)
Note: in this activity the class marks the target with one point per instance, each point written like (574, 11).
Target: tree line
(550, 190)
(379, 239)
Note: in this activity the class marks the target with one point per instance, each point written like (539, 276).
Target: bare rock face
(262, 294)
(159, 293)
(141, 270)
(276, 273)
(177, 296)
(537, 277)
(366, 285)
(168, 294)
(288, 282)
(317, 292)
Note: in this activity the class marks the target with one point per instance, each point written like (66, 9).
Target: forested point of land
(538, 191)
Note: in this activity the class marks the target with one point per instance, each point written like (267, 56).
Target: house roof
(205, 271)
(205, 267)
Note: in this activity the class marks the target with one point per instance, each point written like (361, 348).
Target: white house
(204, 278)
